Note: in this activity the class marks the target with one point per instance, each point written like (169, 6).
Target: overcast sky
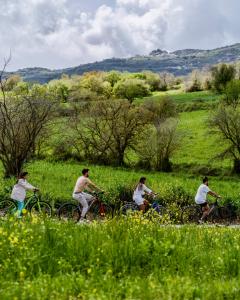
(64, 33)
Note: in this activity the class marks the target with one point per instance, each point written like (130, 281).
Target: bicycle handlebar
(98, 193)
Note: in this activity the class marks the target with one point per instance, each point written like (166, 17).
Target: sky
(63, 33)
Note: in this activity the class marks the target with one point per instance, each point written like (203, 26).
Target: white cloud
(63, 33)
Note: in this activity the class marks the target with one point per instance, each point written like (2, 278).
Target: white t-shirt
(19, 190)
(201, 196)
(140, 191)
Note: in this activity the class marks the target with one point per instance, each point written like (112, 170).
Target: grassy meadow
(199, 147)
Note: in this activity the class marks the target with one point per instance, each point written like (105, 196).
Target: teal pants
(20, 205)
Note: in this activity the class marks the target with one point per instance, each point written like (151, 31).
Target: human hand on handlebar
(153, 194)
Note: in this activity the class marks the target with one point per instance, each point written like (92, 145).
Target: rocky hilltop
(180, 62)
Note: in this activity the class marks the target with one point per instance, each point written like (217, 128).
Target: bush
(194, 87)
(195, 105)
(162, 142)
(63, 151)
(232, 93)
(130, 89)
(221, 75)
(175, 195)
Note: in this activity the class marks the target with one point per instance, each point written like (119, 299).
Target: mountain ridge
(179, 62)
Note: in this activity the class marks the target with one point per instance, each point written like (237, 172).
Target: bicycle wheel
(69, 212)
(41, 208)
(158, 213)
(7, 207)
(129, 208)
(191, 214)
(226, 214)
(99, 211)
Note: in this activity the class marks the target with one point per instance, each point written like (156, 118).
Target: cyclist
(201, 198)
(19, 191)
(139, 192)
(84, 183)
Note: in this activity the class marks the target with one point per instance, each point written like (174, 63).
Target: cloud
(64, 33)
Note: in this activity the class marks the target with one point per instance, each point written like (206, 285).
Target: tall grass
(118, 259)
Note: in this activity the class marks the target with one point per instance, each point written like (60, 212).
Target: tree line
(95, 117)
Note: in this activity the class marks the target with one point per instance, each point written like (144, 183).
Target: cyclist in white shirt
(19, 191)
(201, 198)
(139, 192)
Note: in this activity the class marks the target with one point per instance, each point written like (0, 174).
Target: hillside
(180, 62)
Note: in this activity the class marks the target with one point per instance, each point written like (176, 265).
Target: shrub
(131, 88)
(175, 195)
(221, 75)
(232, 93)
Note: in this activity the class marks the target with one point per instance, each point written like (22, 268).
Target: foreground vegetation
(119, 259)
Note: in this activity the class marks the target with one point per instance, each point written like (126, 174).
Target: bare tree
(108, 129)
(226, 123)
(159, 145)
(162, 139)
(23, 118)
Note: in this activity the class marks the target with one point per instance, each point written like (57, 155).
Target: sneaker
(200, 221)
(82, 221)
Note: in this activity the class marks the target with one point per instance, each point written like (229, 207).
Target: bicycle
(218, 213)
(33, 204)
(153, 210)
(98, 210)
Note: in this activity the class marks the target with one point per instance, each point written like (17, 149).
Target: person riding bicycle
(84, 183)
(201, 198)
(139, 192)
(19, 191)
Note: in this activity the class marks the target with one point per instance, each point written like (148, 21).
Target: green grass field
(180, 96)
(199, 147)
(188, 97)
(119, 259)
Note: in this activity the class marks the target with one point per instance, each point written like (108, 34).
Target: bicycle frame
(213, 207)
(33, 198)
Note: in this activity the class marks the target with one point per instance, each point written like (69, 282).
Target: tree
(167, 81)
(95, 82)
(221, 75)
(131, 88)
(12, 82)
(153, 80)
(159, 111)
(61, 90)
(106, 131)
(232, 93)
(112, 77)
(226, 123)
(163, 139)
(159, 145)
(23, 118)
(193, 82)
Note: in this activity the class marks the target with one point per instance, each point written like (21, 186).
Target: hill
(180, 62)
